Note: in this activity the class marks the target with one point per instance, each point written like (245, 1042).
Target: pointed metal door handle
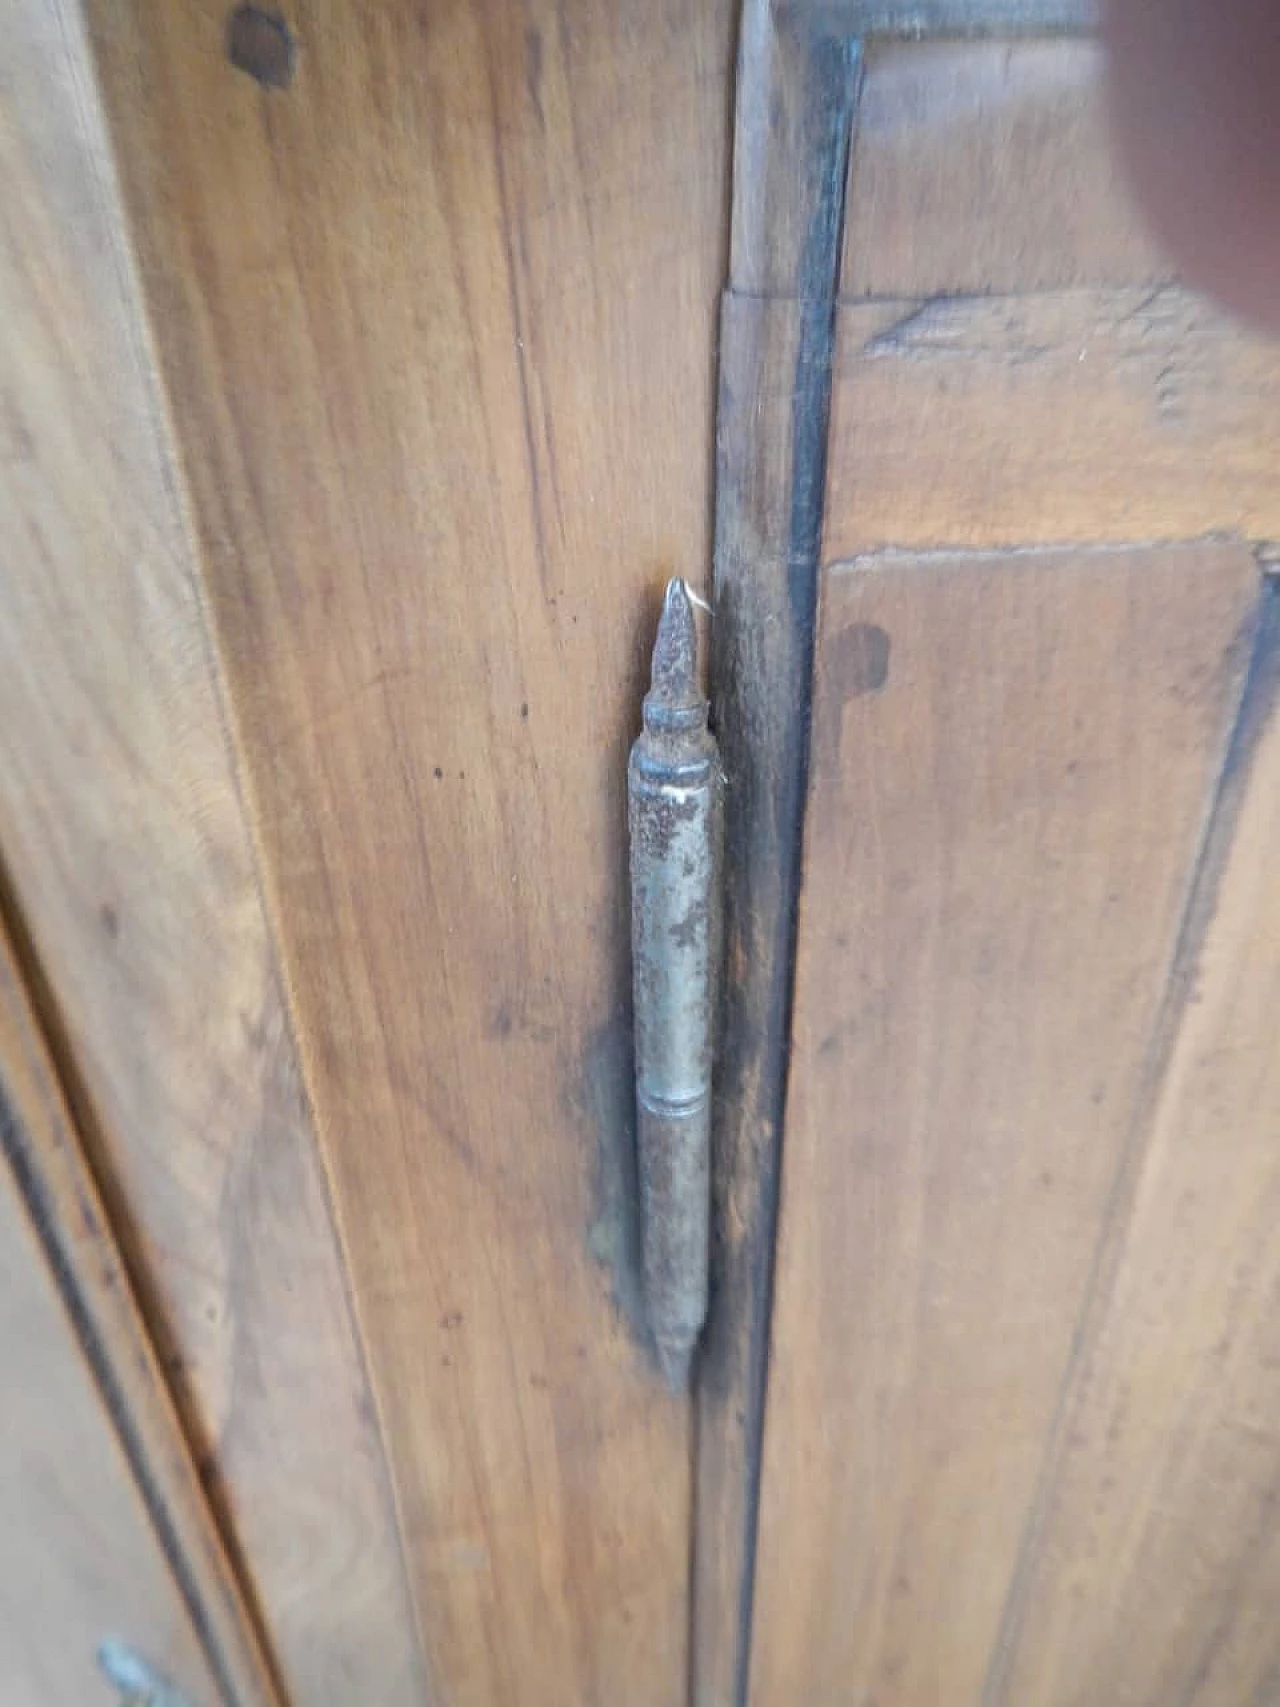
(675, 814)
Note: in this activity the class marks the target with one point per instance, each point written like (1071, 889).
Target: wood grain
(1080, 416)
(795, 99)
(129, 861)
(1154, 1569)
(986, 166)
(797, 92)
(436, 321)
(1013, 760)
(48, 1171)
(80, 1561)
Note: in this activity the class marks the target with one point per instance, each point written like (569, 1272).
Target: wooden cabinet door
(359, 407)
(1020, 1438)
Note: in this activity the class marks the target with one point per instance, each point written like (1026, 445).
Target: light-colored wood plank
(127, 851)
(79, 1561)
(1080, 416)
(47, 1164)
(437, 324)
(987, 166)
(1156, 1570)
(1013, 759)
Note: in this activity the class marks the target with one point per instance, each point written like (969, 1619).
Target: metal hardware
(139, 1682)
(914, 20)
(674, 792)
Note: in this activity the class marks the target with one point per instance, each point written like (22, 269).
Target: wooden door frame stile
(799, 78)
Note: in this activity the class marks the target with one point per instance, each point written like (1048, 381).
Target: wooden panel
(1155, 1569)
(796, 93)
(987, 166)
(1013, 759)
(46, 1165)
(1090, 415)
(129, 859)
(79, 1562)
(437, 324)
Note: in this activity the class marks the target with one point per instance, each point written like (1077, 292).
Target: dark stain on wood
(856, 661)
(261, 44)
(602, 1092)
(858, 658)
